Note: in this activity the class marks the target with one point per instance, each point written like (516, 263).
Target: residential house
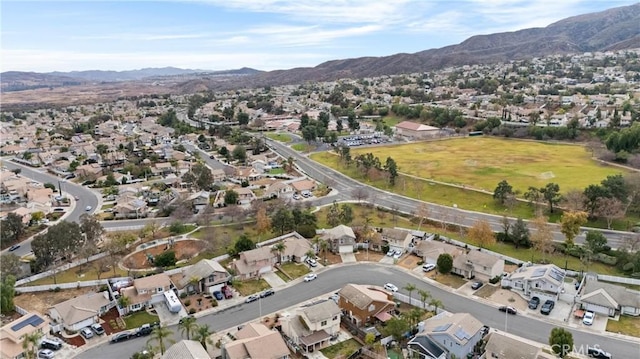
(478, 264)
(199, 201)
(608, 299)
(247, 174)
(162, 168)
(279, 189)
(245, 195)
(79, 312)
(304, 186)
(205, 276)
(542, 281)
(397, 239)
(430, 250)
(456, 333)
(296, 247)
(341, 239)
(13, 334)
(253, 263)
(256, 341)
(142, 293)
(313, 326)
(365, 304)
(135, 208)
(501, 345)
(218, 175)
(89, 171)
(186, 349)
(416, 131)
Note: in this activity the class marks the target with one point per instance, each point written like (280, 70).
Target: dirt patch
(41, 301)
(371, 257)
(506, 297)
(332, 258)
(184, 250)
(199, 302)
(409, 261)
(510, 268)
(112, 314)
(486, 291)
(76, 340)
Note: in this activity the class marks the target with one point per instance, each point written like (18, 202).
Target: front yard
(451, 280)
(294, 270)
(342, 349)
(625, 325)
(136, 319)
(252, 286)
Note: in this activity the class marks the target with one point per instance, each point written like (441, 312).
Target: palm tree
(161, 335)
(279, 248)
(188, 326)
(290, 162)
(424, 295)
(414, 316)
(124, 302)
(436, 303)
(30, 344)
(203, 335)
(311, 254)
(410, 287)
(324, 246)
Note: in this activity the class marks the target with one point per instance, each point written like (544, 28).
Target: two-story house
(313, 326)
(341, 239)
(255, 340)
(455, 334)
(478, 264)
(430, 250)
(365, 304)
(253, 263)
(296, 247)
(142, 293)
(396, 239)
(501, 345)
(12, 335)
(199, 200)
(542, 281)
(205, 276)
(79, 312)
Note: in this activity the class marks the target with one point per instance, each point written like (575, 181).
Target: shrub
(187, 302)
(192, 311)
(214, 303)
(56, 289)
(183, 295)
(420, 263)
(606, 259)
(166, 259)
(495, 279)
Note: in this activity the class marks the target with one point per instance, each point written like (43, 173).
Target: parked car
(428, 267)
(397, 254)
(391, 287)
(476, 285)
(296, 196)
(87, 333)
(252, 298)
(120, 337)
(144, 330)
(97, 328)
(218, 295)
(534, 302)
(588, 318)
(309, 277)
(267, 293)
(391, 252)
(228, 293)
(14, 247)
(312, 262)
(509, 310)
(45, 354)
(598, 353)
(547, 307)
(51, 343)
(335, 297)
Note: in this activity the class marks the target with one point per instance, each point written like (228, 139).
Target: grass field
(625, 325)
(279, 137)
(483, 162)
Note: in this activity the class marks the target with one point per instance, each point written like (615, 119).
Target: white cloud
(142, 37)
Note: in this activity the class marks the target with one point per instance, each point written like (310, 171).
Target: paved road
(85, 196)
(334, 278)
(437, 212)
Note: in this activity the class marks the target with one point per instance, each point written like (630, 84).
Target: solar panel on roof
(538, 273)
(461, 334)
(33, 320)
(442, 328)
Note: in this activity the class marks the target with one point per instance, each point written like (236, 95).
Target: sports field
(482, 162)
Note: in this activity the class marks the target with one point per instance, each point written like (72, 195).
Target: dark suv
(534, 303)
(547, 307)
(598, 353)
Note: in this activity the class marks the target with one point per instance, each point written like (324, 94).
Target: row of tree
(370, 165)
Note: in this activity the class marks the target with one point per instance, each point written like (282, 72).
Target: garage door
(345, 249)
(543, 296)
(599, 309)
(266, 269)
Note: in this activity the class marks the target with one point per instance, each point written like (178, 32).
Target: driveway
(387, 260)
(348, 257)
(273, 279)
(167, 317)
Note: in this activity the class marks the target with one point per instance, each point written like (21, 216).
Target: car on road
(476, 285)
(428, 267)
(120, 337)
(252, 298)
(534, 302)
(87, 333)
(312, 262)
(97, 328)
(87, 208)
(509, 310)
(309, 277)
(588, 318)
(594, 352)
(267, 293)
(45, 354)
(391, 287)
(547, 307)
(76, 198)
(218, 295)
(14, 247)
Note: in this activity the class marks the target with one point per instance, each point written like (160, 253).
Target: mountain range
(613, 29)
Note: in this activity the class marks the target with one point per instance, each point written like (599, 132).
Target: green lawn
(279, 137)
(391, 120)
(80, 273)
(107, 206)
(252, 286)
(295, 270)
(342, 349)
(625, 325)
(301, 147)
(136, 319)
(276, 171)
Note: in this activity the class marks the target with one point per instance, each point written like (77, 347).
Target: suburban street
(332, 279)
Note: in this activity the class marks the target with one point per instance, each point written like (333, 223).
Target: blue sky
(47, 36)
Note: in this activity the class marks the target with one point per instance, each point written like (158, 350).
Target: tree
(482, 233)
(187, 326)
(424, 295)
(533, 195)
(360, 193)
(502, 191)
(165, 259)
(333, 215)
(124, 302)
(279, 248)
(445, 263)
(574, 200)
(203, 335)
(7, 292)
(231, 197)
(542, 237)
(392, 168)
(263, 223)
(422, 213)
(11, 228)
(91, 227)
(346, 214)
(410, 287)
(30, 344)
(609, 209)
(520, 234)
(570, 224)
(551, 194)
(244, 243)
(324, 247)
(10, 265)
(561, 341)
(592, 194)
(162, 336)
(239, 153)
(396, 327)
(151, 228)
(282, 221)
(595, 241)
(436, 303)
(147, 354)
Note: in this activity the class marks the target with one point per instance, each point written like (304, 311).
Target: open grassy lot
(279, 137)
(251, 286)
(482, 162)
(80, 273)
(625, 325)
(342, 349)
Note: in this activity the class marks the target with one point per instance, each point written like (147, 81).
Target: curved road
(332, 279)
